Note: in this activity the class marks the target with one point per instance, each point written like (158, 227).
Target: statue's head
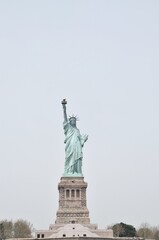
(73, 120)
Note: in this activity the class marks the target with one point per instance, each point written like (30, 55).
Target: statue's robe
(73, 149)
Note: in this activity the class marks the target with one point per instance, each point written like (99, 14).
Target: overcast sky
(103, 56)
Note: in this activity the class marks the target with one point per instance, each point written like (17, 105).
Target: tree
(123, 230)
(6, 229)
(146, 231)
(22, 229)
(117, 229)
(156, 232)
(19, 229)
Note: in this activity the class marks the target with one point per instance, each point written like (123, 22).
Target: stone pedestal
(72, 217)
(72, 201)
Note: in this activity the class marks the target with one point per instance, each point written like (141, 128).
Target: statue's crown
(73, 117)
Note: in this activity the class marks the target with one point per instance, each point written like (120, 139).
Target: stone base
(55, 227)
(72, 201)
(74, 231)
(72, 217)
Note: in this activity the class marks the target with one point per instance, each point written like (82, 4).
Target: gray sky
(103, 56)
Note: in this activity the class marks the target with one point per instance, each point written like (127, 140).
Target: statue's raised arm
(74, 143)
(64, 102)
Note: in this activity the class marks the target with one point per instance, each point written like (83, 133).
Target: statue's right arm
(64, 112)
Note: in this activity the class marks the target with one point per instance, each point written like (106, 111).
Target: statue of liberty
(74, 143)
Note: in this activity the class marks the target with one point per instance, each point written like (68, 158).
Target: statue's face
(73, 122)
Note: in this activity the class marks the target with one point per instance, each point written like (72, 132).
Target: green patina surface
(74, 143)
